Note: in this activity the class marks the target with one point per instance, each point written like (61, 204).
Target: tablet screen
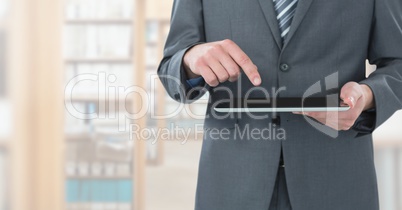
(289, 104)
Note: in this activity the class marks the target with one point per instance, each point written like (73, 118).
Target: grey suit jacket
(326, 47)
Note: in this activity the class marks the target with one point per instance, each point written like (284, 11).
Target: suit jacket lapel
(301, 11)
(267, 7)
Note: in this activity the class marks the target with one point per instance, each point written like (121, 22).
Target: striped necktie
(285, 10)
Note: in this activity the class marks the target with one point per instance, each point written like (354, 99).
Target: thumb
(349, 94)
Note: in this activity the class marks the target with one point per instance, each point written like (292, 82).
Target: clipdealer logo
(246, 132)
(107, 91)
(112, 100)
(331, 83)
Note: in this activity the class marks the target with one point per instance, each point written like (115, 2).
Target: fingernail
(352, 100)
(257, 81)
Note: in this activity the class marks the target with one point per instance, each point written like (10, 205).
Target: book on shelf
(99, 21)
(99, 9)
(3, 180)
(3, 51)
(97, 41)
(119, 151)
(152, 150)
(152, 56)
(99, 194)
(152, 31)
(98, 80)
(6, 120)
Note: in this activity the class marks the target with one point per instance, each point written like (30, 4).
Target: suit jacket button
(284, 67)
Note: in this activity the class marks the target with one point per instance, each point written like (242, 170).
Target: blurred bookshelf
(388, 161)
(155, 38)
(387, 141)
(4, 179)
(103, 166)
(5, 112)
(157, 31)
(116, 21)
(97, 60)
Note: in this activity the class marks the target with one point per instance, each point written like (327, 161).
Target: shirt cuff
(196, 82)
(365, 122)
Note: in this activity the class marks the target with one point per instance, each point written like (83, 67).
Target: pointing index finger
(249, 68)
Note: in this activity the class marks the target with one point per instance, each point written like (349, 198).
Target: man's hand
(358, 97)
(218, 62)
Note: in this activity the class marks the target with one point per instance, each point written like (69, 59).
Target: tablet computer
(291, 104)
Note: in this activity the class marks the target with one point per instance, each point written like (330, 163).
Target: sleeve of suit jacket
(385, 51)
(186, 30)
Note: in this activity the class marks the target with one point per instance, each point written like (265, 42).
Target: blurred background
(65, 72)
